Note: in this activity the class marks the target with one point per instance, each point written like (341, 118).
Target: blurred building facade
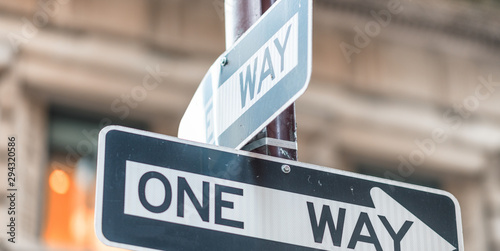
(407, 90)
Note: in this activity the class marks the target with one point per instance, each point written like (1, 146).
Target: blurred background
(402, 89)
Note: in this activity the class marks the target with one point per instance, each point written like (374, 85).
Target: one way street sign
(266, 70)
(163, 193)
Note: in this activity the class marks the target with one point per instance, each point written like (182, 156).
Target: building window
(70, 180)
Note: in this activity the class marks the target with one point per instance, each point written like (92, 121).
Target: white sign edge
(100, 178)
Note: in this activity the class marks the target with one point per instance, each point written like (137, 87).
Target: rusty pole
(279, 137)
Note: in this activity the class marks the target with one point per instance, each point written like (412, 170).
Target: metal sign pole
(279, 137)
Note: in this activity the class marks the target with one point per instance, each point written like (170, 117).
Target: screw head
(286, 168)
(223, 61)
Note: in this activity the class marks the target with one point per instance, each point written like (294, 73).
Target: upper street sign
(157, 192)
(266, 70)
